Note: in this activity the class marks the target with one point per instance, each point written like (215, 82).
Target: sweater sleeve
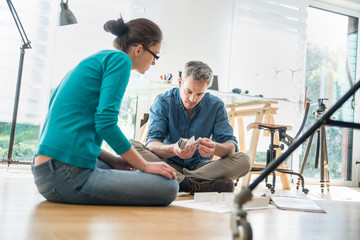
(116, 74)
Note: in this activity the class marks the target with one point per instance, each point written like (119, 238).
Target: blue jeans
(64, 183)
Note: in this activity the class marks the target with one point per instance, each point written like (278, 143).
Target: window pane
(330, 67)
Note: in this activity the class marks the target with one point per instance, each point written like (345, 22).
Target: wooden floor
(24, 214)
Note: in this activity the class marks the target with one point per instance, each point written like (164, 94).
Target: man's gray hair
(199, 71)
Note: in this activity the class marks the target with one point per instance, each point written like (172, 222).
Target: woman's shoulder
(112, 53)
(106, 54)
(110, 56)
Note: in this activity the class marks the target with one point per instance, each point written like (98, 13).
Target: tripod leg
(316, 166)
(325, 156)
(305, 159)
(322, 159)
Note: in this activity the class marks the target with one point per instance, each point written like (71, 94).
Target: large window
(330, 71)
(279, 48)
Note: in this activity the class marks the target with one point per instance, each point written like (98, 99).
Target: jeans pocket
(53, 196)
(43, 177)
(72, 171)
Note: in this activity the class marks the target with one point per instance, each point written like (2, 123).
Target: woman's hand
(122, 164)
(116, 162)
(160, 168)
(206, 147)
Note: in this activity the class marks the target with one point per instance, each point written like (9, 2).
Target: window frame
(353, 10)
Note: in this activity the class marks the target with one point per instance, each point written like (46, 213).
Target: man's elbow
(231, 147)
(150, 145)
(153, 145)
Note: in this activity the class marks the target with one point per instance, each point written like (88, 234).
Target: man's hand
(206, 147)
(185, 153)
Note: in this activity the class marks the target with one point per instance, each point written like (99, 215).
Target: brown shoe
(217, 185)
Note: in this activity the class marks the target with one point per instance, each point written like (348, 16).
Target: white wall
(192, 29)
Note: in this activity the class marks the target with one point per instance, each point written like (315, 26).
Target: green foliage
(127, 115)
(319, 62)
(26, 135)
(260, 157)
(24, 142)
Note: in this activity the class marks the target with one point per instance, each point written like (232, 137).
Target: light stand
(240, 227)
(25, 45)
(320, 151)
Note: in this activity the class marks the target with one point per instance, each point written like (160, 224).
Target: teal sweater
(84, 111)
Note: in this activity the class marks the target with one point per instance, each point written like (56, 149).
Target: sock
(185, 185)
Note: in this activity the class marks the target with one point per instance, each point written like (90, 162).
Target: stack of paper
(224, 202)
(220, 202)
(295, 203)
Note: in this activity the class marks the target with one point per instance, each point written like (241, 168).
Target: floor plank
(24, 214)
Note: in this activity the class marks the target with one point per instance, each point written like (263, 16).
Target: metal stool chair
(271, 152)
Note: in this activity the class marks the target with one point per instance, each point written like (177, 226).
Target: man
(181, 113)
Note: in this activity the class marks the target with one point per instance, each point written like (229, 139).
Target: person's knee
(171, 191)
(247, 160)
(136, 144)
(243, 160)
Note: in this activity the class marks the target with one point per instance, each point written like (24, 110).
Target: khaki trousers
(233, 165)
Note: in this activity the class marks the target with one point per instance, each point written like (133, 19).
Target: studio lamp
(66, 16)
(25, 44)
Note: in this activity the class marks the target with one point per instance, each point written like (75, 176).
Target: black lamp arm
(25, 41)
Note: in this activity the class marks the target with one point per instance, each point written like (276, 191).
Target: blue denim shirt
(169, 121)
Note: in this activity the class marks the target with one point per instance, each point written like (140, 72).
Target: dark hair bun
(117, 27)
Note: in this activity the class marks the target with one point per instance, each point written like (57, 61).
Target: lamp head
(66, 16)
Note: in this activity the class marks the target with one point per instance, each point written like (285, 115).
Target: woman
(69, 164)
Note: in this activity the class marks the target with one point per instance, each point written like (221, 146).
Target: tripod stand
(321, 150)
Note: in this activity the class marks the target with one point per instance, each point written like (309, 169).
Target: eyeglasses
(156, 57)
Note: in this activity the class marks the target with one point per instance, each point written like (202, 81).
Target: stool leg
(272, 189)
(268, 159)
